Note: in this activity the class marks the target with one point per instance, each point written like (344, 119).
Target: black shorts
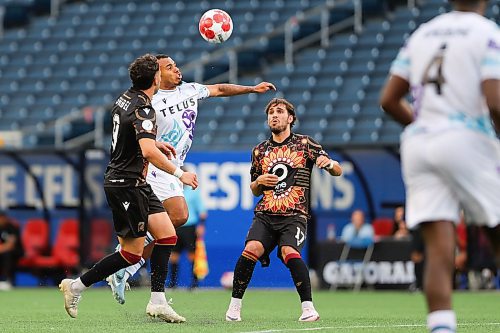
(186, 239)
(279, 231)
(131, 207)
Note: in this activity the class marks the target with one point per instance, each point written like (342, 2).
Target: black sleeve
(315, 150)
(145, 122)
(256, 168)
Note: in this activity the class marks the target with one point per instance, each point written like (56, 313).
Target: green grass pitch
(41, 310)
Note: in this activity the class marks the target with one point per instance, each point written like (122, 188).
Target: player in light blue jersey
(176, 107)
(450, 154)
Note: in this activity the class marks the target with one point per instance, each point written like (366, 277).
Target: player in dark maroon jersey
(281, 173)
(135, 207)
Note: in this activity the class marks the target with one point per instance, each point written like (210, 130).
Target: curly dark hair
(142, 71)
(289, 107)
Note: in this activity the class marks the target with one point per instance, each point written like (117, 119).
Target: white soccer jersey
(176, 112)
(445, 60)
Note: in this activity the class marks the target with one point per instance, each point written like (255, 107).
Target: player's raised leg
(72, 289)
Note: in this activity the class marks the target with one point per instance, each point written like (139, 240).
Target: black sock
(174, 270)
(159, 266)
(242, 275)
(300, 276)
(105, 267)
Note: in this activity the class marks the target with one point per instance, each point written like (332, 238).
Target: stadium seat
(35, 240)
(101, 232)
(64, 252)
(383, 226)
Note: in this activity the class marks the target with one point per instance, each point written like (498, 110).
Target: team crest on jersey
(147, 125)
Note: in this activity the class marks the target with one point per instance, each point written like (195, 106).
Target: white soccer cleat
(164, 312)
(118, 285)
(233, 312)
(309, 314)
(71, 299)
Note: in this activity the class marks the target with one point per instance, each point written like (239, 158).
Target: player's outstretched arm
(333, 167)
(151, 153)
(392, 100)
(227, 89)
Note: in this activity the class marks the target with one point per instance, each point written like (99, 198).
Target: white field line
(362, 327)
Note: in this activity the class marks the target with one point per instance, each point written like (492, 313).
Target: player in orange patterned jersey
(281, 173)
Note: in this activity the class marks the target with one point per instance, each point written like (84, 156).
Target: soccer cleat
(233, 313)
(71, 299)
(309, 314)
(164, 312)
(118, 285)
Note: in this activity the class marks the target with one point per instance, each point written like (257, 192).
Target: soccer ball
(215, 26)
(226, 280)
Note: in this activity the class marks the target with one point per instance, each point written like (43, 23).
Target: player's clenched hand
(167, 149)
(268, 180)
(189, 178)
(263, 87)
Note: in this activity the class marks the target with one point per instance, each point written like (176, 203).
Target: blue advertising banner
(371, 179)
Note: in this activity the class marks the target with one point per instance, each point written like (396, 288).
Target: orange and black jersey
(133, 118)
(292, 161)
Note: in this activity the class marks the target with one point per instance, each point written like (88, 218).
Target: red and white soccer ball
(216, 26)
(226, 280)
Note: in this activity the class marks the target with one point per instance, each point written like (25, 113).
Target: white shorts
(164, 185)
(450, 171)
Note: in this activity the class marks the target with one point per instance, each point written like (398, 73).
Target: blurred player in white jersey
(176, 107)
(449, 151)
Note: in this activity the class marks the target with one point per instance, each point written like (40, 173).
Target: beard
(278, 129)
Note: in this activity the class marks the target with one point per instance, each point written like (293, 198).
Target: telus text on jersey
(178, 107)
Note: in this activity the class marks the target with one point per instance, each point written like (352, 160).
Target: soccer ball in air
(216, 26)
(226, 280)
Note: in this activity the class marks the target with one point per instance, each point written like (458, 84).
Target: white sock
(77, 286)
(442, 321)
(236, 301)
(307, 304)
(131, 270)
(158, 297)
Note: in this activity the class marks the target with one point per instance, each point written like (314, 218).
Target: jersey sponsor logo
(125, 205)
(282, 162)
(153, 173)
(117, 180)
(172, 109)
(147, 125)
(146, 110)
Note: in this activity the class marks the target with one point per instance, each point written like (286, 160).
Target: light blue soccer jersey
(195, 205)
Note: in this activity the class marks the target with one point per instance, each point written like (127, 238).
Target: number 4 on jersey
(435, 68)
